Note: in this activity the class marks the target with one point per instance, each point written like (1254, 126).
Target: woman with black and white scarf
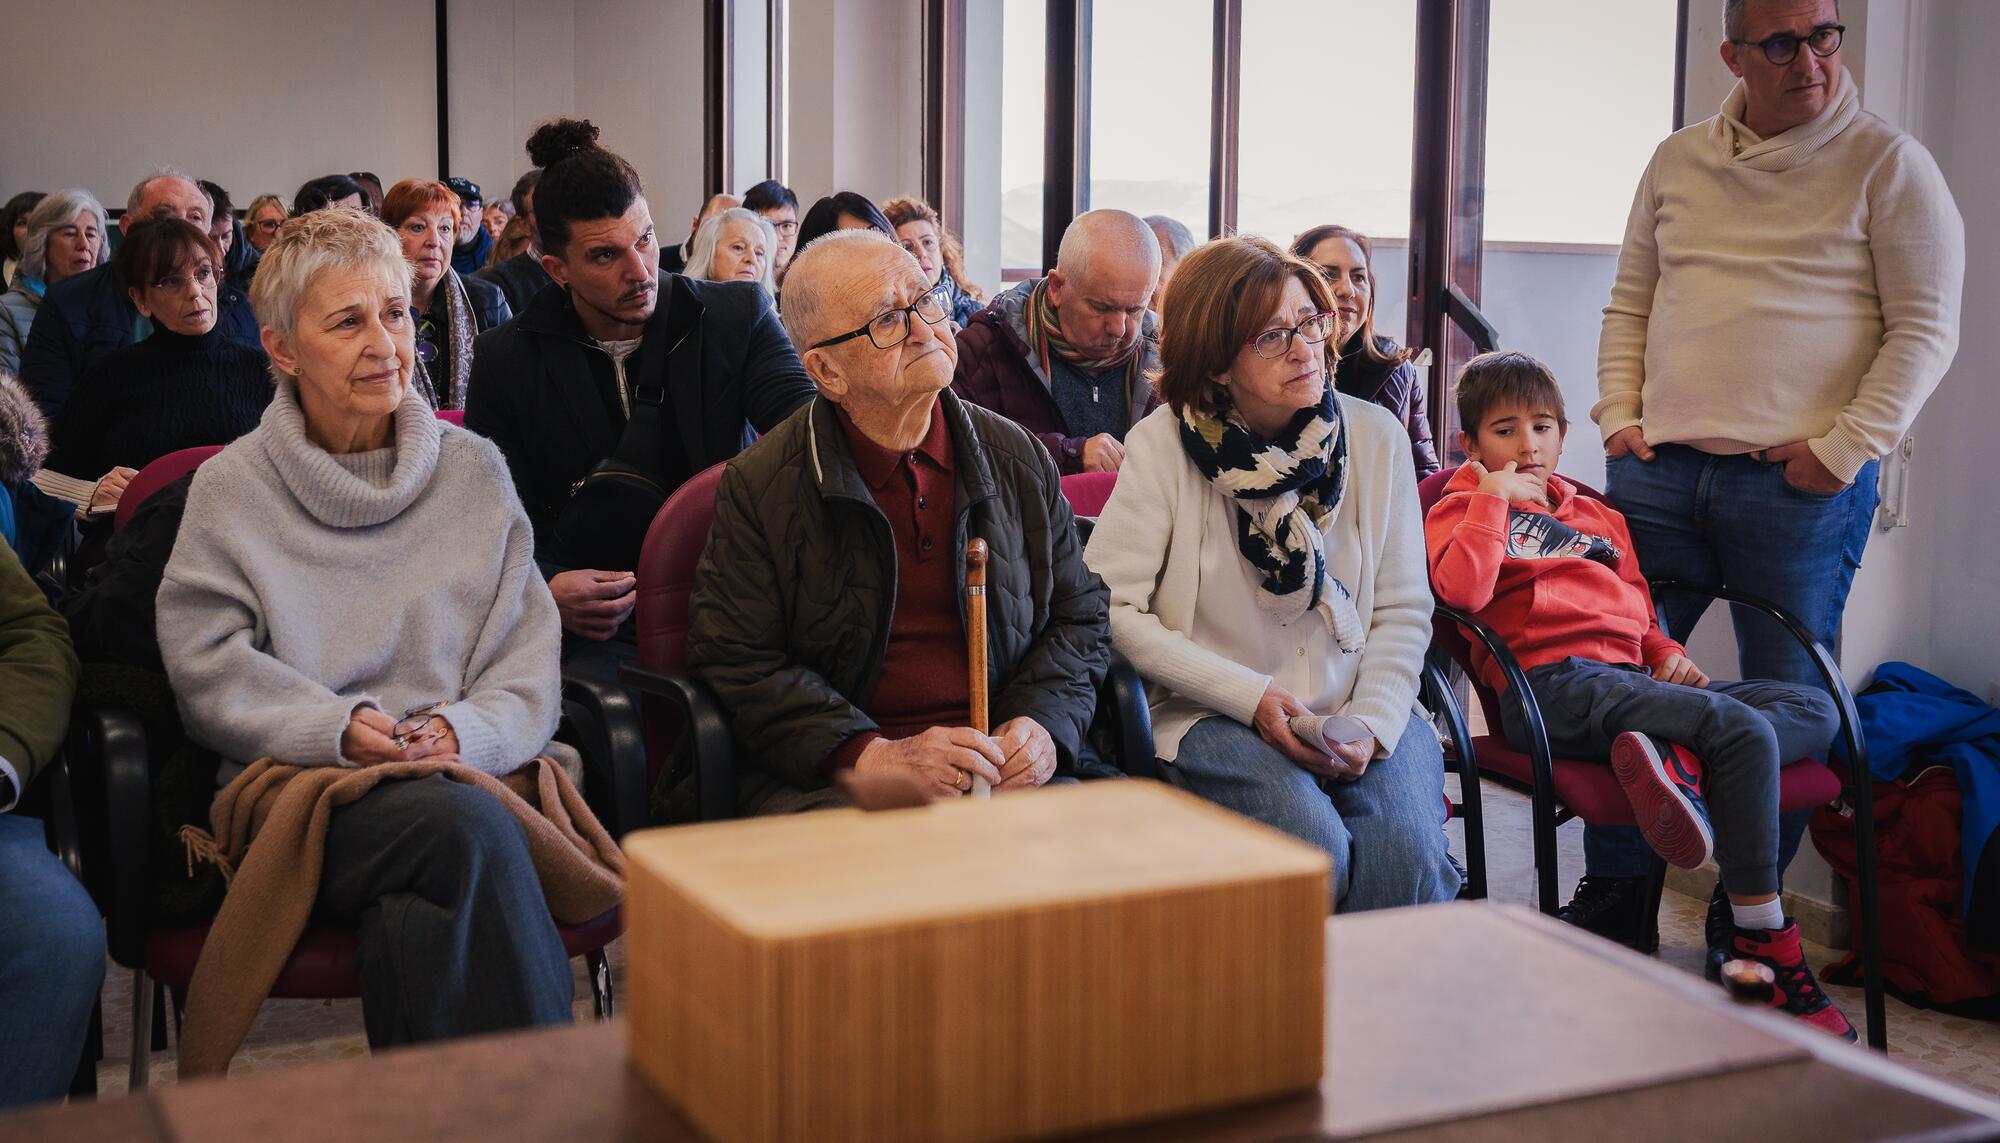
(1265, 557)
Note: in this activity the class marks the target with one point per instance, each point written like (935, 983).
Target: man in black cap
(469, 255)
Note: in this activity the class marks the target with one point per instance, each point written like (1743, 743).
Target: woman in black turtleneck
(1372, 367)
(182, 386)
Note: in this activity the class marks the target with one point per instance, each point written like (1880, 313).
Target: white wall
(512, 65)
(1957, 431)
(256, 97)
(639, 78)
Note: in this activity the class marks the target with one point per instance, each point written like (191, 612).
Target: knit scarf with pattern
(1045, 337)
(1286, 490)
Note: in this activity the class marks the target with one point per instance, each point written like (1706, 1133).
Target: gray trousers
(456, 940)
(1743, 731)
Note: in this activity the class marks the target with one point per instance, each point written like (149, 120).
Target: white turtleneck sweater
(1802, 287)
(304, 584)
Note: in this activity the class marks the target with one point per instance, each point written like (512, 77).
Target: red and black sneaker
(1798, 992)
(1662, 782)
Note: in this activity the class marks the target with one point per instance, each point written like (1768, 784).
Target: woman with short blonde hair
(353, 585)
(262, 218)
(1266, 564)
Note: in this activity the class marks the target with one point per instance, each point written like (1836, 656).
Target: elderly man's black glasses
(1783, 48)
(891, 328)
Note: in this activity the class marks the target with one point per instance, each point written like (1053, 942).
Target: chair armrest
(62, 826)
(109, 743)
(1539, 754)
(1829, 671)
(708, 736)
(1123, 699)
(605, 723)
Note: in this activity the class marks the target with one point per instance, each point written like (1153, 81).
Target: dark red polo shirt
(925, 680)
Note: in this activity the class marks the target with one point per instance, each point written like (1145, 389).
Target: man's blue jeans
(1732, 521)
(51, 966)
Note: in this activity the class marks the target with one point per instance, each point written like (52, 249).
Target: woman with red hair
(450, 310)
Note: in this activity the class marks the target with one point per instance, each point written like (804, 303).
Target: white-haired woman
(734, 245)
(66, 235)
(350, 561)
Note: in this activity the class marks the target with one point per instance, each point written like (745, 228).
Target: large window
(1328, 91)
(1561, 167)
(1150, 65)
(1024, 44)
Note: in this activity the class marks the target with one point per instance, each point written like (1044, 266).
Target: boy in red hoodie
(1552, 571)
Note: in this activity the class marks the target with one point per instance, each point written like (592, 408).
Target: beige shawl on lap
(273, 883)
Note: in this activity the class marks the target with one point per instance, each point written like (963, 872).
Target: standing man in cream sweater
(1786, 298)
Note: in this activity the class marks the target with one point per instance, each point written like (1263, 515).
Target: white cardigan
(1183, 598)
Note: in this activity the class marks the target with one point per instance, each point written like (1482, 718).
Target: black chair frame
(109, 743)
(1549, 815)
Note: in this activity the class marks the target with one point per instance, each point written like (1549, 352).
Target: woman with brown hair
(1265, 557)
(186, 384)
(1372, 367)
(937, 252)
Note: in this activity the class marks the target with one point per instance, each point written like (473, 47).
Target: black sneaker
(1614, 908)
(1721, 933)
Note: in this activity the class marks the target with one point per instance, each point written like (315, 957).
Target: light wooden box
(1034, 963)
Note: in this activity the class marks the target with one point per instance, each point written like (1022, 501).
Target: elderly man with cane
(830, 613)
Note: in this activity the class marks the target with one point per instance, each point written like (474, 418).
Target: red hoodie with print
(1552, 582)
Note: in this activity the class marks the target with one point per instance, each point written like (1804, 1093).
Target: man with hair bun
(609, 393)
(1070, 357)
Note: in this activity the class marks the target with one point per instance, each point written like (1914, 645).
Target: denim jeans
(51, 966)
(1732, 521)
(1384, 831)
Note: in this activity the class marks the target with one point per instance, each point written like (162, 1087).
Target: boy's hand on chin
(1508, 484)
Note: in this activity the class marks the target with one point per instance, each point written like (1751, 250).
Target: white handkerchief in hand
(1325, 731)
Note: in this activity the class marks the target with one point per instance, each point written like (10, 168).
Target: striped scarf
(1287, 490)
(1045, 337)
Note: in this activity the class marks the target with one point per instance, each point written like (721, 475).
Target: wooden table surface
(1460, 1022)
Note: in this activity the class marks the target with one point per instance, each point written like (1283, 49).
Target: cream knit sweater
(1803, 287)
(1184, 600)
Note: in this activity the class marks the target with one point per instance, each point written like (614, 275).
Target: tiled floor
(1966, 1052)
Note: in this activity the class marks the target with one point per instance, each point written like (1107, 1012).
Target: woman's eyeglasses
(1783, 48)
(420, 724)
(1278, 342)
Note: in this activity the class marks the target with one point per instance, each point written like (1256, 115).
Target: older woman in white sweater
(348, 563)
(1265, 558)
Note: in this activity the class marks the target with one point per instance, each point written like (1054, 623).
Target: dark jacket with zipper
(796, 591)
(545, 392)
(520, 278)
(1395, 388)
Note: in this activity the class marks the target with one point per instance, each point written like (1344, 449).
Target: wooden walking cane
(975, 642)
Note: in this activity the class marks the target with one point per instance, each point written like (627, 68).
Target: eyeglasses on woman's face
(1278, 342)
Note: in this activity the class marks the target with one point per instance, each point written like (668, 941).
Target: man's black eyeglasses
(891, 328)
(1783, 48)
